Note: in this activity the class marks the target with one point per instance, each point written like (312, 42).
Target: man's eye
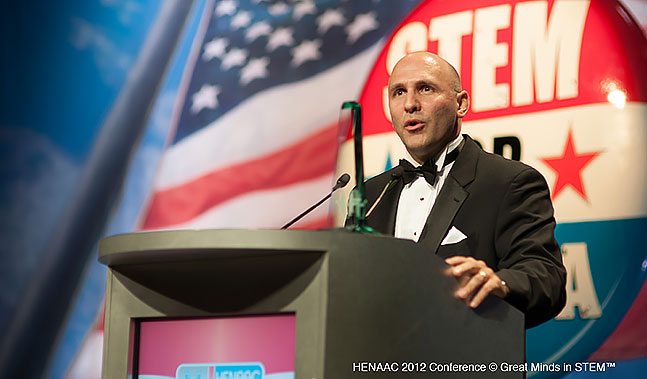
(398, 92)
(426, 89)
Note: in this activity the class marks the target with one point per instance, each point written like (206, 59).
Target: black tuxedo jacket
(504, 209)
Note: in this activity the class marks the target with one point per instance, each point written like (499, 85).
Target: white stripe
(87, 363)
(266, 122)
(267, 208)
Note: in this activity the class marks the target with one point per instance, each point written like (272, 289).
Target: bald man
(490, 218)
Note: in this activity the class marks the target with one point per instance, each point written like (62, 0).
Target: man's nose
(411, 103)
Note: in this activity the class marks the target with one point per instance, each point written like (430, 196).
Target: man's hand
(476, 280)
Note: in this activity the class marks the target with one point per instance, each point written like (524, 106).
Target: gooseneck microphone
(395, 175)
(341, 183)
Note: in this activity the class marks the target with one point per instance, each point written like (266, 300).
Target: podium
(361, 305)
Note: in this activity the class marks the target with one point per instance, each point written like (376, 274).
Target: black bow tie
(428, 169)
(410, 173)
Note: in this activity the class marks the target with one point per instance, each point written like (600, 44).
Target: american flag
(255, 136)
(254, 130)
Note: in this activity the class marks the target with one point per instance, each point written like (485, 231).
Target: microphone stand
(356, 219)
(299, 217)
(341, 182)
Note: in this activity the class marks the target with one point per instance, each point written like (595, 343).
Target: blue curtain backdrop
(77, 89)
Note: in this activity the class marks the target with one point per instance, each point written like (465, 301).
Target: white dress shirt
(418, 197)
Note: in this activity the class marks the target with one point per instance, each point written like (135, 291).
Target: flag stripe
(265, 122)
(182, 203)
(269, 208)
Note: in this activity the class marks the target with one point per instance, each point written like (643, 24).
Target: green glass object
(356, 219)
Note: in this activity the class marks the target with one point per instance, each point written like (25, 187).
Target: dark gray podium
(357, 298)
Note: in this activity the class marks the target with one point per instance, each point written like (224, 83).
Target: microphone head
(342, 181)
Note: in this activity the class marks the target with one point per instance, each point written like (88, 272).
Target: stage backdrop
(243, 112)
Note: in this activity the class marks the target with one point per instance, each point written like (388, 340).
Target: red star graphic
(569, 168)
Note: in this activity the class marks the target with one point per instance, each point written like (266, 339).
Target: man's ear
(463, 99)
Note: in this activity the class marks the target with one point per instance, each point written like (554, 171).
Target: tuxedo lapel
(383, 216)
(448, 202)
(451, 196)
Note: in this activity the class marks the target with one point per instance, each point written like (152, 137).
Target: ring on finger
(482, 274)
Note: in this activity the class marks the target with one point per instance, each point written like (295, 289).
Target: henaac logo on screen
(559, 85)
(245, 370)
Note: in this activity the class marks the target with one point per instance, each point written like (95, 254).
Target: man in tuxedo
(490, 218)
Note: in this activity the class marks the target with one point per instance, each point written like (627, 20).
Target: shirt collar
(440, 159)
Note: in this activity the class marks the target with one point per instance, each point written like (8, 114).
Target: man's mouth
(413, 125)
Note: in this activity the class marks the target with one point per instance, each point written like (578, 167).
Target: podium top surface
(144, 246)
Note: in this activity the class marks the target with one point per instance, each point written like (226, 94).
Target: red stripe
(305, 160)
(99, 325)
